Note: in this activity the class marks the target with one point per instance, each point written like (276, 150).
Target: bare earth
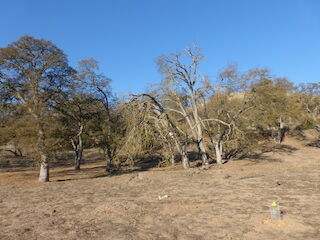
(223, 202)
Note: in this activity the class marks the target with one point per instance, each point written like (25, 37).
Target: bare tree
(33, 72)
(182, 92)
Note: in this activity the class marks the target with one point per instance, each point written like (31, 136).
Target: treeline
(47, 106)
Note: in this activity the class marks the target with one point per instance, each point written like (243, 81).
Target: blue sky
(126, 36)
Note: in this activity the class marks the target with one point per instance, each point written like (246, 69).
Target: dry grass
(222, 202)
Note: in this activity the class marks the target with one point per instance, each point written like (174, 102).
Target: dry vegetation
(222, 202)
(191, 158)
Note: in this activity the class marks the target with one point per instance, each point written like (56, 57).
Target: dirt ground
(223, 202)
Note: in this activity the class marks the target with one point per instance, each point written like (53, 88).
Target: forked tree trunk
(218, 149)
(77, 148)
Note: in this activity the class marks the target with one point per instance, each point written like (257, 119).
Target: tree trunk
(44, 171)
(280, 133)
(108, 158)
(44, 165)
(218, 148)
(172, 155)
(77, 160)
(78, 152)
(185, 161)
(77, 148)
(173, 160)
(185, 158)
(203, 153)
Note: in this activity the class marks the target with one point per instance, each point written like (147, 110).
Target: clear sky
(126, 36)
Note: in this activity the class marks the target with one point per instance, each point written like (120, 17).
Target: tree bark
(185, 158)
(202, 151)
(218, 148)
(280, 133)
(44, 171)
(78, 148)
(109, 164)
(78, 158)
(44, 165)
(78, 152)
(172, 160)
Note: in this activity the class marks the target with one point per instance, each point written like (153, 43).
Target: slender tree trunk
(185, 157)
(182, 148)
(172, 157)
(80, 153)
(173, 160)
(78, 148)
(108, 159)
(280, 132)
(218, 148)
(202, 151)
(44, 165)
(78, 158)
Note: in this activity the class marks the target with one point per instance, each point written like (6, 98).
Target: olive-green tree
(33, 72)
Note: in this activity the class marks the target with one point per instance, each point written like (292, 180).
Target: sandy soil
(222, 202)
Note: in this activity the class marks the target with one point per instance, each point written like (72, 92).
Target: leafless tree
(182, 91)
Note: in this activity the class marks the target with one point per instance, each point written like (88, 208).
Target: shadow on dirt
(260, 157)
(15, 163)
(315, 143)
(143, 163)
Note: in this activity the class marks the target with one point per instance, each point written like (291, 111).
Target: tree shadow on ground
(143, 163)
(315, 143)
(67, 158)
(261, 157)
(15, 163)
(282, 148)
